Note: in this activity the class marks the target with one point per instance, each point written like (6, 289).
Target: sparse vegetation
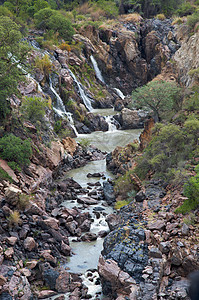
(14, 219)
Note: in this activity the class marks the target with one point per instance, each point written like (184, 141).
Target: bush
(12, 148)
(193, 19)
(13, 165)
(120, 204)
(185, 9)
(159, 96)
(4, 176)
(85, 143)
(54, 20)
(44, 64)
(33, 108)
(161, 17)
(23, 201)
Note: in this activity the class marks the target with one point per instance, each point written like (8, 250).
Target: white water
(97, 70)
(86, 100)
(120, 94)
(111, 125)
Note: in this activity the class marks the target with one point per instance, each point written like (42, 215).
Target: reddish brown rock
(9, 253)
(146, 134)
(158, 225)
(8, 170)
(52, 223)
(46, 294)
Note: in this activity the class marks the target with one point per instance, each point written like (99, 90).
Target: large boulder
(109, 194)
(130, 119)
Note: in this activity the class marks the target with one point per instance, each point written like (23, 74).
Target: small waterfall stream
(120, 94)
(97, 70)
(85, 98)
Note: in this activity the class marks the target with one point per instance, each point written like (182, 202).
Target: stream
(86, 254)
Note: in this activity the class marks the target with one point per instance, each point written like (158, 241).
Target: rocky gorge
(148, 251)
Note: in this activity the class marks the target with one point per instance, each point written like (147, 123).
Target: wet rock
(85, 226)
(71, 227)
(108, 192)
(87, 200)
(88, 237)
(65, 249)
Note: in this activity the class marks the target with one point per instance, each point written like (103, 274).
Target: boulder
(11, 193)
(52, 223)
(129, 119)
(70, 145)
(8, 170)
(108, 192)
(63, 282)
(55, 154)
(45, 294)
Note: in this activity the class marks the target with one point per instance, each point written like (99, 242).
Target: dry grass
(14, 218)
(134, 18)
(160, 17)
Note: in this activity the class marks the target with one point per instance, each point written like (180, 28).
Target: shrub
(14, 218)
(158, 96)
(44, 64)
(124, 185)
(33, 108)
(4, 175)
(120, 204)
(193, 19)
(185, 9)
(12, 148)
(23, 201)
(85, 143)
(13, 165)
(53, 20)
(161, 17)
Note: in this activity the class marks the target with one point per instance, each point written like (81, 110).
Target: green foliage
(185, 9)
(159, 96)
(192, 101)
(121, 203)
(13, 165)
(14, 219)
(12, 53)
(33, 108)
(4, 176)
(124, 185)
(44, 64)
(109, 7)
(85, 143)
(12, 148)
(50, 19)
(193, 19)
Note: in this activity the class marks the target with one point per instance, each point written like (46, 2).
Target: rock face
(131, 119)
(187, 57)
(137, 52)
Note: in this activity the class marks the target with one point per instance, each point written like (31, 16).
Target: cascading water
(60, 108)
(120, 94)
(97, 70)
(111, 123)
(86, 100)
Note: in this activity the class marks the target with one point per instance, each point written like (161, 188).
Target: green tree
(12, 53)
(50, 19)
(12, 148)
(159, 96)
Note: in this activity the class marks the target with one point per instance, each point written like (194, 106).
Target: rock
(108, 192)
(155, 253)
(55, 154)
(165, 247)
(88, 237)
(48, 257)
(70, 145)
(176, 257)
(65, 249)
(29, 243)
(85, 226)
(158, 225)
(5, 296)
(129, 119)
(46, 294)
(11, 240)
(50, 276)
(71, 227)
(140, 196)
(185, 229)
(2, 280)
(9, 253)
(113, 221)
(66, 79)
(52, 223)
(11, 193)
(31, 264)
(25, 272)
(8, 170)
(63, 282)
(30, 126)
(119, 105)
(87, 200)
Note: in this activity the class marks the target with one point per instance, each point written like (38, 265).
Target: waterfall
(60, 109)
(120, 94)
(97, 70)
(86, 100)
(111, 123)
